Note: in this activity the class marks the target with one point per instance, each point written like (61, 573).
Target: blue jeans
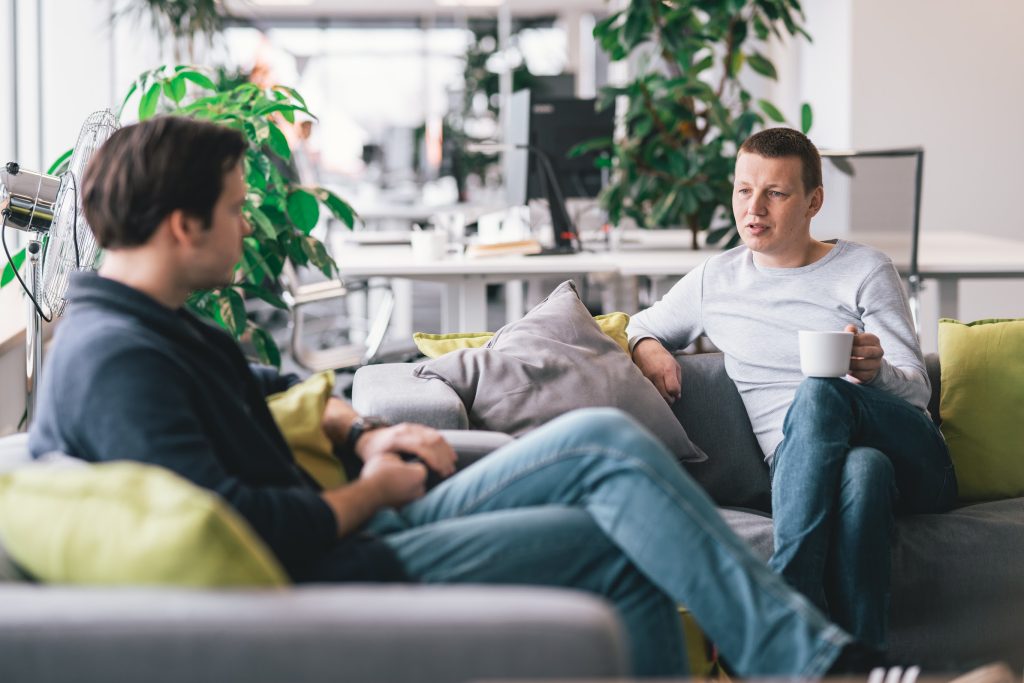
(594, 501)
(851, 456)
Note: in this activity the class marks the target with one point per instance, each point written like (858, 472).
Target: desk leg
(949, 298)
(473, 304)
(451, 303)
(401, 318)
(514, 301)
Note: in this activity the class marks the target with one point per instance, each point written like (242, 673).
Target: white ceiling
(362, 9)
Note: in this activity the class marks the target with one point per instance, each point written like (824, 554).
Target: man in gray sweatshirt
(844, 454)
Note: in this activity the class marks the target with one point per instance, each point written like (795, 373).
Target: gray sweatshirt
(753, 315)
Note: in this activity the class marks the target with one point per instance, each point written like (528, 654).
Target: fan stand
(34, 329)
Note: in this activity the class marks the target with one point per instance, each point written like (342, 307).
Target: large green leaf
(266, 347)
(279, 143)
(773, 113)
(147, 105)
(175, 89)
(199, 79)
(303, 210)
(60, 165)
(13, 265)
(231, 309)
(806, 118)
(261, 223)
(264, 294)
(337, 206)
(762, 66)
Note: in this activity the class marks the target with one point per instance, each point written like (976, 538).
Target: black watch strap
(361, 425)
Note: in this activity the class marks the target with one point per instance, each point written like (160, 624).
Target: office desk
(946, 257)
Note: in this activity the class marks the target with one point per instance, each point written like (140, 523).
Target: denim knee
(602, 423)
(816, 391)
(868, 477)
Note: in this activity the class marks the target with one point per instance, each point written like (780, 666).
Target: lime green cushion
(436, 345)
(126, 523)
(298, 413)
(982, 405)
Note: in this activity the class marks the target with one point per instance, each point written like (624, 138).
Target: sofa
(957, 594)
(312, 633)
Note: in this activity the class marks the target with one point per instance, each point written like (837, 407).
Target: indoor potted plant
(688, 109)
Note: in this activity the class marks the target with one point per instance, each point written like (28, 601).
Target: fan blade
(70, 245)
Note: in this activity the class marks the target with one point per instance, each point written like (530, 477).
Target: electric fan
(49, 208)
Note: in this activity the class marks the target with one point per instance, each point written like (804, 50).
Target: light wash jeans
(850, 456)
(593, 501)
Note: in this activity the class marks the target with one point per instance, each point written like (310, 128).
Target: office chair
(363, 336)
(874, 197)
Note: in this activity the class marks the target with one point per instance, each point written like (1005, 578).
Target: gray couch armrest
(391, 391)
(471, 445)
(367, 633)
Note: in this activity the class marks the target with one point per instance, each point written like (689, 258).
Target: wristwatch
(361, 425)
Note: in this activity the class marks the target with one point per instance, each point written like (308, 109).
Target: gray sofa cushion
(355, 632)
(969, 558)
(711, 411)
(554, 360)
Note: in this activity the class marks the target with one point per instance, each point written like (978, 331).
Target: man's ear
(183, 228)
(817, 199)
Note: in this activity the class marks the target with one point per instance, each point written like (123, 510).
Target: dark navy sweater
(127, 378)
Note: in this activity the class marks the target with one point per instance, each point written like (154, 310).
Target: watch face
(373, 422)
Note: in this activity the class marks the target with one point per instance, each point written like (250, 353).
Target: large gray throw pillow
(554, 360)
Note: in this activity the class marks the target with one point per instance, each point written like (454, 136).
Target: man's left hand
(410, 439)
(866, 356)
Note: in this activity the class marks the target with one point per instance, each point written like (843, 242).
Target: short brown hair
(148, 170)
(773, 143)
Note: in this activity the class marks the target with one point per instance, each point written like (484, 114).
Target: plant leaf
(13, 265)
(762, 66)
(266, 347)
(147, 105)
(57, 167)
(773, 113)
(337, 206)
(231, 308)
(279, 143)
(175, 89)
(806, 118)
(303, 210)
(264, 294)
(262, 223)
(291, 91)
(199, 79)
(596, 144)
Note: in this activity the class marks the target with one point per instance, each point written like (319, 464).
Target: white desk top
(663, 253)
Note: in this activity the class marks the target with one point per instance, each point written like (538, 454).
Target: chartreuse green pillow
(298, 413)
(127, 523)
(436, 345)
(982, 405)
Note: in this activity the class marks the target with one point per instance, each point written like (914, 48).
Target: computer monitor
(545, 130)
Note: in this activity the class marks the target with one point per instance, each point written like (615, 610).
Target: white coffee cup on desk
(428, 245)
(825, 354)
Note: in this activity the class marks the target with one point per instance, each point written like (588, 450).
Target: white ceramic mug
(428, 245)
(825, 354)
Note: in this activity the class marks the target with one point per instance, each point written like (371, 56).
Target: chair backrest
(874, 197)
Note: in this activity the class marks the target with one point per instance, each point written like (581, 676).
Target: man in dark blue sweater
(590, 501)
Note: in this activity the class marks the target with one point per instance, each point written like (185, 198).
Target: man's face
(773, 211)
(220, 246)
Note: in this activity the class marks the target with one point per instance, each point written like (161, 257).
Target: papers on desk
(521, 247)
(377, 238)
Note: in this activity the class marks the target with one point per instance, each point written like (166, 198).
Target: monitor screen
(556, 125)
